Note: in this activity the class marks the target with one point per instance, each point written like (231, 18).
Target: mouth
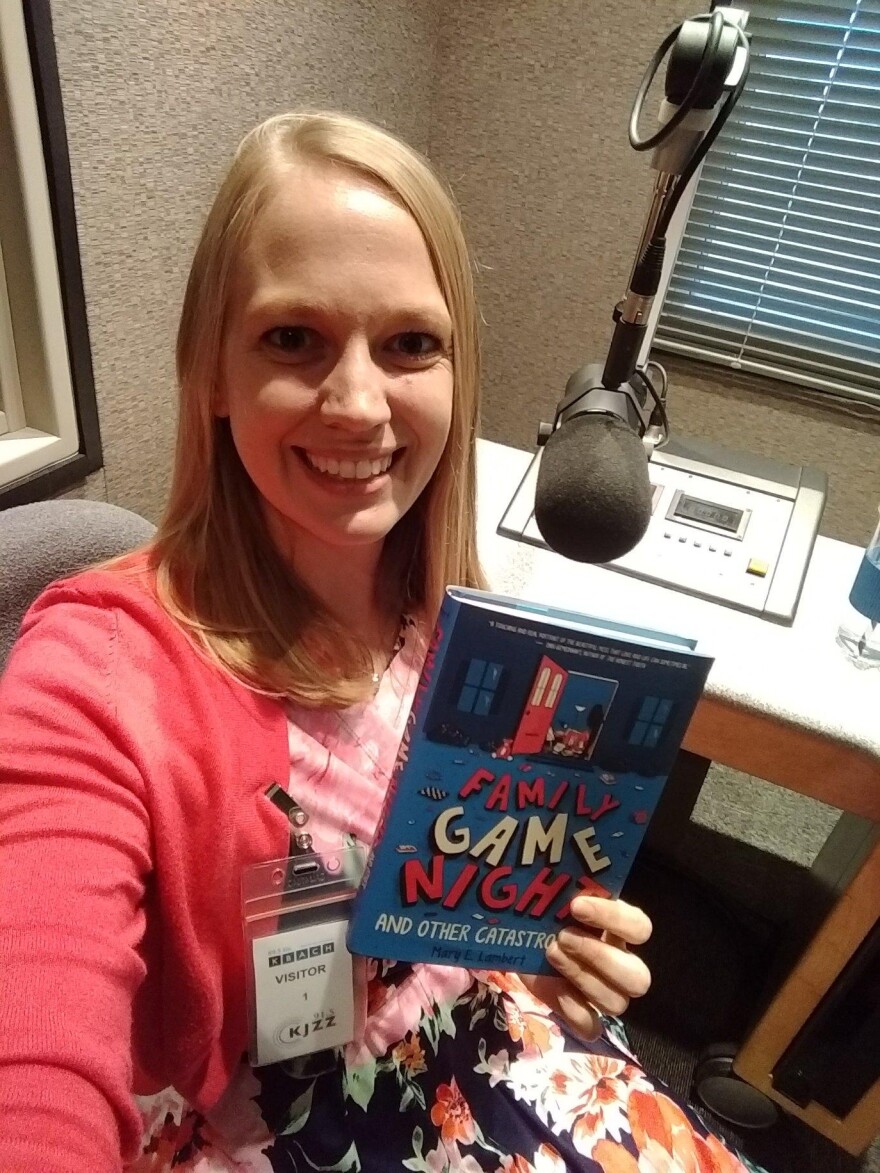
(362, 469)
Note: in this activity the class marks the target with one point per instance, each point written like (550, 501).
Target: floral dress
(450, 1069)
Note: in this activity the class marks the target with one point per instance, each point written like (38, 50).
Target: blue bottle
(859, 631)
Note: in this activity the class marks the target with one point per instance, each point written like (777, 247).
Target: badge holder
(295, 913)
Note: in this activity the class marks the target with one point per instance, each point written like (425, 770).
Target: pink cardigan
(132, 776)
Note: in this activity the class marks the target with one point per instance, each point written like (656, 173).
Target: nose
(355, 392)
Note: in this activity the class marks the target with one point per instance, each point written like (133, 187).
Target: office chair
(50, 539)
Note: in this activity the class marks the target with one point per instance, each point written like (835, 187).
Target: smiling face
(336, 370)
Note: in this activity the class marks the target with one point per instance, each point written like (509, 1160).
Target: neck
(347, 588)
(345, 580)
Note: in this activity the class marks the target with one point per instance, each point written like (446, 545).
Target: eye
(292, 340)
(416, 344)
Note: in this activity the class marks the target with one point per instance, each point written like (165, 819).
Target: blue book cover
(536, 750)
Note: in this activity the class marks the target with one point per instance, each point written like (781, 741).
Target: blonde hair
(218, 572)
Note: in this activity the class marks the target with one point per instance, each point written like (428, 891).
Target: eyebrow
(291, 308)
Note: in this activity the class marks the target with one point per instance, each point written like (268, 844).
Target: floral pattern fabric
(450, 1070)
(489, 1082)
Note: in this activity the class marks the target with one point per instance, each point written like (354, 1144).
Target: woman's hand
(597, 972)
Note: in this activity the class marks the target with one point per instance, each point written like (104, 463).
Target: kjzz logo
(297, 1031)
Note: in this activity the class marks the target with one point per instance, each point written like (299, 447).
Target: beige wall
(156, 98)
(531, 112)
(524, 106)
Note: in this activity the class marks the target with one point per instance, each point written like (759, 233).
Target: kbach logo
(291, 955)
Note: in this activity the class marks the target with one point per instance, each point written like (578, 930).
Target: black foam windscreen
(593, 496)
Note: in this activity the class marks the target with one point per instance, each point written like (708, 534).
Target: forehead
(326, 230)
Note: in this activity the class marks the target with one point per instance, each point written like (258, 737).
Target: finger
(616, 917)
(562, 997)
(621, 920)
(587, 957)
(586, 987)
(582, 1018)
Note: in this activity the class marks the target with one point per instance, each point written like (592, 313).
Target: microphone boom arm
(706, 73)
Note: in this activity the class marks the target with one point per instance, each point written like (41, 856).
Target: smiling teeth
(352, 470)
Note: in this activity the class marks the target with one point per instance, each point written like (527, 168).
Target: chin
(359, 536)
(365, 526)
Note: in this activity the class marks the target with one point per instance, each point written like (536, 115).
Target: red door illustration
(543, 698)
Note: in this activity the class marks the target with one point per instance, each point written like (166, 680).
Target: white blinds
(779, 267)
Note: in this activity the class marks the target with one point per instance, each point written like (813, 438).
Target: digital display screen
(707, 512)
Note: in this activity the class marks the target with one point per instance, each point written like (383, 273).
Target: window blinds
(779, 266)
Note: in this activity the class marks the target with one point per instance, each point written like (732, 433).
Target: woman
(273, 632)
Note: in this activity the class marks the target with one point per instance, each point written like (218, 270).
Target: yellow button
(756, 566)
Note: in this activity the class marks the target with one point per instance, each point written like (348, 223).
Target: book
(535, 752)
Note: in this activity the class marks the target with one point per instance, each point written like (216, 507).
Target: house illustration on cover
(507, 695)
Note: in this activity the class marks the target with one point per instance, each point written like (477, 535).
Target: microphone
(593, 495)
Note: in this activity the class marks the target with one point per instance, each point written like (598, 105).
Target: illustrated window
(479, 688)
(651, 722)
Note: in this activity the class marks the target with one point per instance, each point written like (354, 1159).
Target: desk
(781, 703)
